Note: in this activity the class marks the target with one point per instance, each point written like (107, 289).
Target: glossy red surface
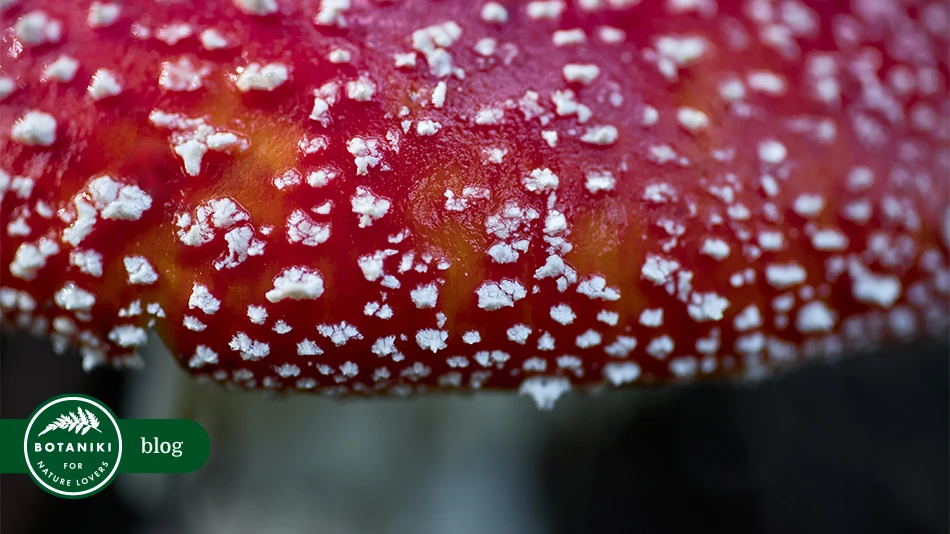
(827, 100)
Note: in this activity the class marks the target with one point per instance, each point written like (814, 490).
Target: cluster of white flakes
(772, 151)
(571, 364)
(183, 75)
(73, 298)
(212, 39)
(425, 296)
(257, 7)
(191, 138)
(339, 55)
(372, 264)
(366, 154)
(87, 261)
(433, 41)
(544, 390)
(171, 34)
(320, 177)
(496, 295)
(332, 13)
(785, 275)
(749, 318)
(489, 116)
(660, 347)
(608, 317)
(37, 28)
(705, 307)
(308, 348)
(871, 288)
(404, 60)
(566, 104)
(583, 73)
(287, 370)
(301, 228)
(715, 248)
(241, 244)
(554, 267)
(494, 13)
(509, 221)
(296, 283)
(519, 333)
(128, 336)
(677, 51)
(375, 309)
(257, 314)
(508, 253)
(541, 181)
(692, 119)
(203, 356)
(652, 317)
(368, 207)
(563, 314)
(249, 349)
(545, 9)
(431, 339)
(611, 35)
(257, 77)
(439, 93)
(428, 127)
(104, 84)
(34, 128)
(590, 338)
(829, 239)
(815, 317)
(574, 36)
(597, 181)
(469, 193)
(487, 358)
(339, 333)
(198, 228)
(595, 287)
(62, 70)
(361, 89)
(602, 135)
(771, 240)
(202, 299)
(809, 205)
(140, 270)
(620, 373)
(287, 179)
(658, 269)
(104, 197)
(7, 87)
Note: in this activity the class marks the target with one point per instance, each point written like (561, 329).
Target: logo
(73, 446)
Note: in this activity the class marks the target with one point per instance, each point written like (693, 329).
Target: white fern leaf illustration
(73, 421)
(60, 422)
(82, 423)
(92, 422)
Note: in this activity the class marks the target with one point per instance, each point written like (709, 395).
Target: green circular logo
(72, 446)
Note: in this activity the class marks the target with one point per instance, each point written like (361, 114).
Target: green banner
(73, 446)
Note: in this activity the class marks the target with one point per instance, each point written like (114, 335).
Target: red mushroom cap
(355, 196)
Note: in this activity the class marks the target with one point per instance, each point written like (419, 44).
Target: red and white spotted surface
(359, 196)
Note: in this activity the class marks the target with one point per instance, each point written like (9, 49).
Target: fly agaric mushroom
(355, 196)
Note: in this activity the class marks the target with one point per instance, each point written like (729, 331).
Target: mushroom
(355, 197)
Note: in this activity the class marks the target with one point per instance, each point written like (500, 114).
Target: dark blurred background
(861, 445)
